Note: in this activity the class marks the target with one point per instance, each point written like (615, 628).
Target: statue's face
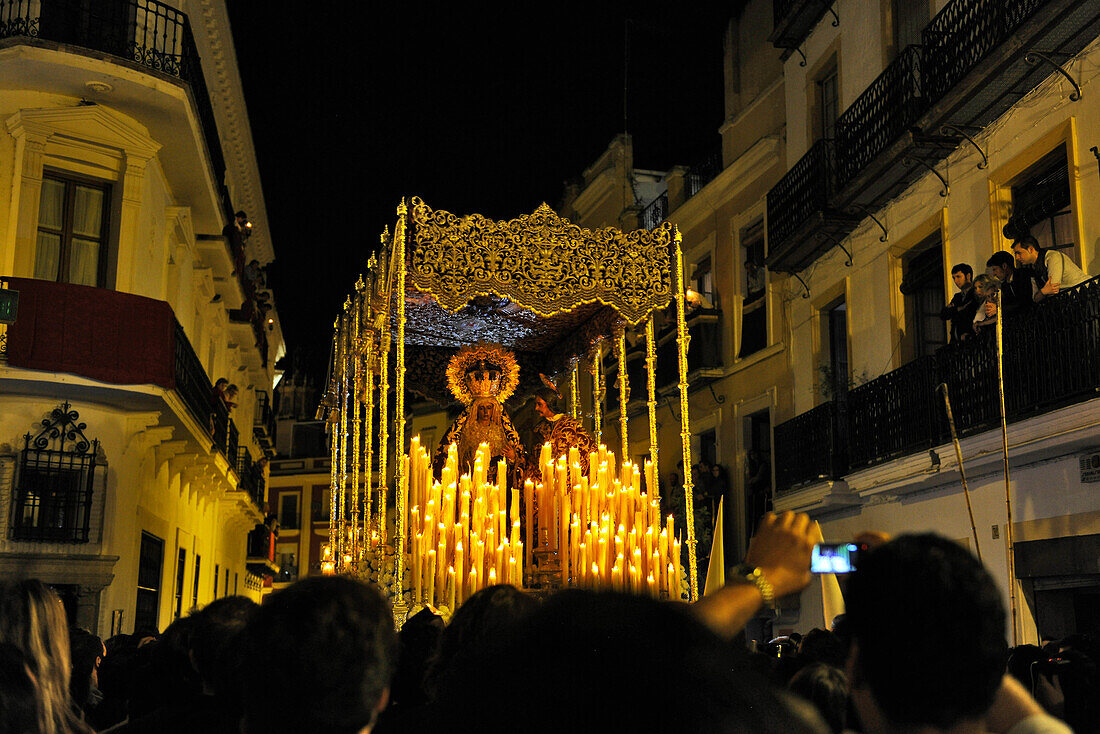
(484, 413)
(542, 408)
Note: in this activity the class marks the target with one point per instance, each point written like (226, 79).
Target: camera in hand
(836, 557)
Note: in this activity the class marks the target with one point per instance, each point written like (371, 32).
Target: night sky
(356, 104)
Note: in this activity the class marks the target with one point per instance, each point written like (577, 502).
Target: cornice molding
(92, 124)
(223, 80)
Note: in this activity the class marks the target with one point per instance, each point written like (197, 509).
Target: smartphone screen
(835, 557)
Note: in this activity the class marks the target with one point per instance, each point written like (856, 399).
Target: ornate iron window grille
(52, 501)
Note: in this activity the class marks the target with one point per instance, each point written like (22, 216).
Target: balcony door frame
(897, 254)
(822, 302)
(1002, 179)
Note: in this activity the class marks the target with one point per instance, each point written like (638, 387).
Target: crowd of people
(1025, 276)
(921, 647)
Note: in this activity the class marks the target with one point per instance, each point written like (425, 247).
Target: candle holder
(547, 571)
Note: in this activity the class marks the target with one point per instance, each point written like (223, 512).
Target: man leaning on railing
(1049, 269)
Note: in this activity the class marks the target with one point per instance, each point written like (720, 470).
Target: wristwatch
(746, 574)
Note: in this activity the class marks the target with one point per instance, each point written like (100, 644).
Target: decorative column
(597, 394)
(400, 609)
(344, 358)
(682, 340)
(356, 417)
(651, 390)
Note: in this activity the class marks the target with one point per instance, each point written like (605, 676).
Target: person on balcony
(1050, 269)
(230, 396)
(1015, 288)
(985, 292)
(754, 275)
(960, 311)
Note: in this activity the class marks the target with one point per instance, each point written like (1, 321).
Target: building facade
(132, 228)
(915, 130)
(870, 147)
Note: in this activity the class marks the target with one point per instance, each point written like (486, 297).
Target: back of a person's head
(826, 687)
(822, 646)
(1001, 259)
(33, 621)
(417, 644)
(85, 650)
(327, 649)
(163, 675)
(480, 618)
(216, 642)
(587, 662)
(929, 629)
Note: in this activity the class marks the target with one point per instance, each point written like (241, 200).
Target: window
(288, 510)
(52, 501)
(910, 18)
(217, 573)
(758, 469)
(922, 286)
(72, 231)
(150, 561)
(226, 592)
(828, 103)
(195, 585)
(288, 564)
(702, 281)
(235, 579)
(181, 569)
(754, 309)
(834, 377)
(1041, 203)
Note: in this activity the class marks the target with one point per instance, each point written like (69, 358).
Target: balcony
(811, 446)
(1051, 360)
(263, 422)
(977, 59)
(702, 173)
(704, 349)
(979, 54)
(879, 151)
(655, 212)
(802, 222)
(115, 338)
(145, 33)
(251, 477)
(260, 551)
(793, 20)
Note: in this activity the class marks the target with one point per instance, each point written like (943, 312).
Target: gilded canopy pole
(356, 416)
(651, 389)
(597, 395)
(574, 391)
(383, 414)
(682, 341)
(400, 609)
(345, 405)
(367, 398)
(624, 392)
(1004, 457)
(334, 445)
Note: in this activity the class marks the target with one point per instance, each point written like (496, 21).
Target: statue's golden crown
(483, 370)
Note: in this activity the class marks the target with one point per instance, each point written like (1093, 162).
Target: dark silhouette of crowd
(921, 647)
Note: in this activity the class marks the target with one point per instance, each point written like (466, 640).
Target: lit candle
(431, 577)
(451, 589)
(459, 569)
(418, 578)
(529, 514)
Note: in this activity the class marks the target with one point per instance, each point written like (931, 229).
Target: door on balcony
(910, 18)
(758, 472)
(1041, 202)
(754, 304)
(150, 565)
(922, 286)
(834, 377)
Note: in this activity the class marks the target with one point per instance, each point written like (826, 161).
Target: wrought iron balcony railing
(889, 107)
(1051, 360)
(198, 395)
(145, 32)
(811, 447)
(702, 173)
(655, 212)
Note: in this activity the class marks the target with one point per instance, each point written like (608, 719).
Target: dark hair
(84, 648)
(948, 663)
(963, 268)
(823, 646)
(240, 213)
(589, 649)
(327, 650)
(553, 400)
(826, 687)
(417, 644)
(216, 643)
(1025, 241)
(1001, 259)
(480, 618)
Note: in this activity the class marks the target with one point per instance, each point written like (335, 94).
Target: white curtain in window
(47, 256)
(84, 262)
(51, 204)
(87, 211)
